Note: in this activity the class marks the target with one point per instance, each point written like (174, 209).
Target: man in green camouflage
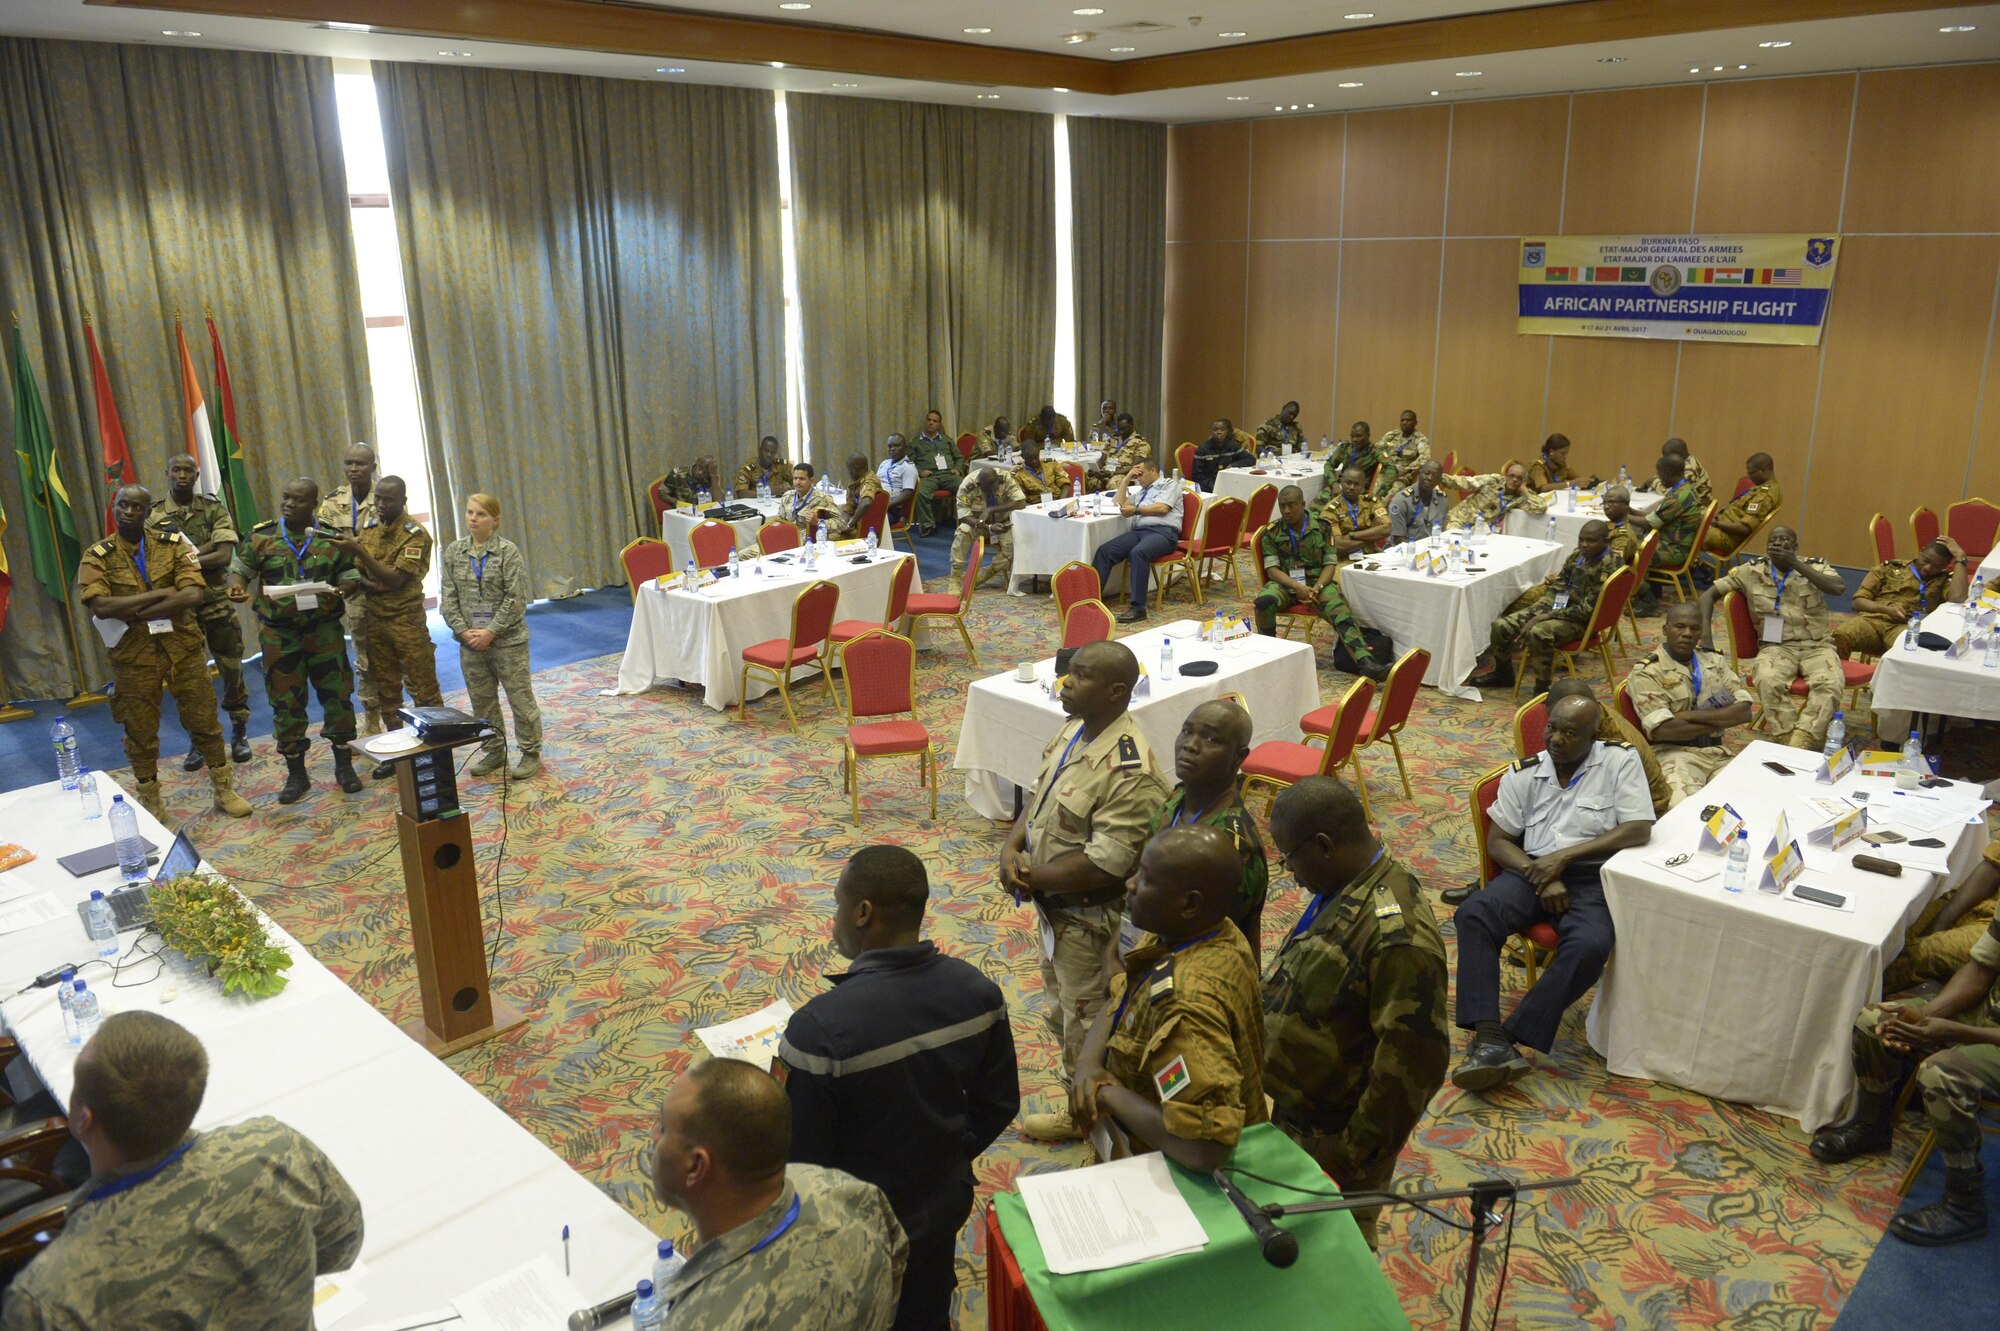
(1300, 566)
(351, 508)
(777, 1245)
(1357, 1034)
(1281, 431)
(205, 520)
(1677, 515)
(224, 1229)
(301, 638)
(394, 555)
(1554, 611)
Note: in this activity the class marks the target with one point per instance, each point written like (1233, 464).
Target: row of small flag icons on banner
(1763, 277)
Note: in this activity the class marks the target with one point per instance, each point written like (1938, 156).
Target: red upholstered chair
(711, 542)
(774, 537)
(1175, 560)
(1531, 727)
(1973, 524)
(1597, 633)
(878, 671)
(943, 605)
(1681, 576)
(1883, 533)
(892, 616)
(1297, 611)
(1450, 464)
(1625, 707)
(1744, 641)
(1263, 503)
(1074, 582)
(657, 496)
(1386, 719)
(1076, 474)
(872, 519)
(1087, 621)
(968, 444)
(1278, 763)
(1925, 524)
(1184, 460)
(1742, 483)
(1219, 532)
(1540, 936)
(1641, 565)
(644, 560)
(812, 617)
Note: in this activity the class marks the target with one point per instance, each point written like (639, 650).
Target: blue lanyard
(1181, 946)
(1923, 588)
(798, 505)
(298, 551)
(1321, 898)
(1694, 670)
(1353, 509)
(1504, 502)
(783, 1225)
(139, 558)
(478, 565)
(1779, 607)
(353, 510)
(131, 1181)
(1297, 536)
(1180, 814)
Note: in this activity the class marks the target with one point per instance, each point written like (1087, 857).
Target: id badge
(938, 458)
(1129, 935)
(481, 614)
(1774, 628)
(306, 601)
(1296, 574)
(1560, 603)
(1048, 931)
(159, 626)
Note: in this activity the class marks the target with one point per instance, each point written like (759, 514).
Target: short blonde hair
(487, 502)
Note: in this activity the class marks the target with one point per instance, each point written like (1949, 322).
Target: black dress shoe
(1132, 617)
(1489, 1063)
(1843, 1142)
(1370, 667)
(1458, 896)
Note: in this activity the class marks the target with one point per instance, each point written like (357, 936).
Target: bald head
(1569, 686)
(1114, 660)
(1572, 729)
(1188, 878)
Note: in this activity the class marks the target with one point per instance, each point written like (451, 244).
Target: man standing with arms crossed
(1075, 844)
(205, 521)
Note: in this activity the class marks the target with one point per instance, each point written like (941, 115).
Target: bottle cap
(666, 1248)
(96, 894)
(645, 1289)
(117, 799)
(81, 986)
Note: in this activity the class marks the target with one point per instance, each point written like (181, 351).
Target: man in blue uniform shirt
(1153, 502)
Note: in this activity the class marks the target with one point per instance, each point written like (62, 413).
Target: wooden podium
(442, 884)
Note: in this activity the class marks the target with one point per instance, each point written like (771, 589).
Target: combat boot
(1870, 1130)
(1960, 1216)
(148, 795)
(343, 769)
(239, 743)
(297, 783)
(226, 799)
(193, 762)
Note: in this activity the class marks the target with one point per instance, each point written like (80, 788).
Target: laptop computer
(130, 906)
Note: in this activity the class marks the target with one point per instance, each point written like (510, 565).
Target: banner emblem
(1819, 252)
(1666, 280)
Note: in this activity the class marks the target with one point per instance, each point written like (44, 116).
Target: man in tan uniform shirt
(1685, 699)
(1787, 595)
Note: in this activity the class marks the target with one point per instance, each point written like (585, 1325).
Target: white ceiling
(1882, 41)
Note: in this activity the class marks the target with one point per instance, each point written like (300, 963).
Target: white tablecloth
(1242, 482)
(1452, 614)
(1091, 458)
(676, 523)
(1520, 522)
(1043, 544)
(1008, 723)
(699, 638)
(453, 1192)
(1909, 680)
(1750, 998)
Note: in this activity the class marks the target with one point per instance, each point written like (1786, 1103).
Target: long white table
(1043, 543)
(1751, 997)
(1242, 482)
(453, 1192)
(699, 637)
(1090, 458)
(1589, 508)
(1452, 614)
(1914, 680)
(676, 523)
(1008, 722)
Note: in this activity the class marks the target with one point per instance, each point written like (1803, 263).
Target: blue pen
(565, 1251)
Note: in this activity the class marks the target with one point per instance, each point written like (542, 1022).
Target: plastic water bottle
(735, 565)
(1572, 498)
(102, 925)
(89, 1016)
(125, 832)
(1910, 638)
(1993, 649)
(1322, 444)
(1736, 874)
(1836, 735)
(729, 495)
(1552, 529)
(86, 790)
(66, 1000)
(1437, 534)
(667, 1266)
(873, 543)
(1624, 476)
(1913, 754)
(1215, 629)
(649, 1311)
(1166, 657)
(704, 497)
(63, 736)
(1076, 487)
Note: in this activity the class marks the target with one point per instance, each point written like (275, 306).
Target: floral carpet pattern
(672, 867)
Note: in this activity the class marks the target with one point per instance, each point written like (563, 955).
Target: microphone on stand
(1280, 1247)
(613, 1308)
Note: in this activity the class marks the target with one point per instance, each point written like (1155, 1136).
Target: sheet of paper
(14, 886)
(535, 1297)
(338, 1295)
(437, 1319)
(752, 1039)
(111, 630)
(1694, 868)
(29, 912)
(1110, 1215)
(295, 588)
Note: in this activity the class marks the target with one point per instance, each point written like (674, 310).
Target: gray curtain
(1118, 199)
(595, 292)
(926, 241)
(140, 180)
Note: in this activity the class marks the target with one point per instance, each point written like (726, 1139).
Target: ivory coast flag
(200, 443)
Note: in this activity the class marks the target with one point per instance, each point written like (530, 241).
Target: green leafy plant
(205, 919)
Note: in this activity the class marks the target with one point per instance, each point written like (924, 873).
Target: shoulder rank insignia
(268, 524)
(1614, 744)
(1160, 984)
(103, 547)
(1387, 909)
(411, 528)
(1128, 752)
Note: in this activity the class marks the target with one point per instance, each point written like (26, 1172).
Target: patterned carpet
(673, 865)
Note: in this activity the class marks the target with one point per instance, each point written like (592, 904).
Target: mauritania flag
(200, 444)
(53, 547)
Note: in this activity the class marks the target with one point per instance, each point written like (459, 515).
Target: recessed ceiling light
(1354, 17)
(1232, 34)
(777, 64)
(1353, 85)
(1694, 69)
(846, 85)
(1086, 13)
(670, 69)
(457, 55)
(1277, 108)
(1309, 106)
(177, 32)
(1434, 92)
(1233, 98)
(1059, 90)
(1611, 60)
(1955, 27)
(988, 96)
(1295, 106)
(1716, 70)
(332, 26)
(978, 32)
(1123, 50)
(1772, 46)
(1743, 66)
(1072, 38)
(1468, 73)
(795, 4)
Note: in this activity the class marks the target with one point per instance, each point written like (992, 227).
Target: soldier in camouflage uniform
(1677, 515)
(301, 638)
(1686, 699)
(806, 505)
(1404, 451)
(151, 579)
(1356, 521)
(223, 1229)
(1127, 449)
(1894, 591)
(684, 485)
(483, 598)
(987, 500)
(1551, 613)
(1786, 594)
(820, 1249)
(1357, 450)
(1299, 566)
(1357, 1032)
(1208, 760)
(351, 508)
(1623, 542)
(394, 555)
(1175, 1061)
(1281, 431)
(1491, 496)
(205, 520)
(996, 438)
(1941, 940)
(1954, 1043)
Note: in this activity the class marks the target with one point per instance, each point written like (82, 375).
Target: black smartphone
(1929, 843)
(1933, 782)
(1780, 769)
(1822, 897)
